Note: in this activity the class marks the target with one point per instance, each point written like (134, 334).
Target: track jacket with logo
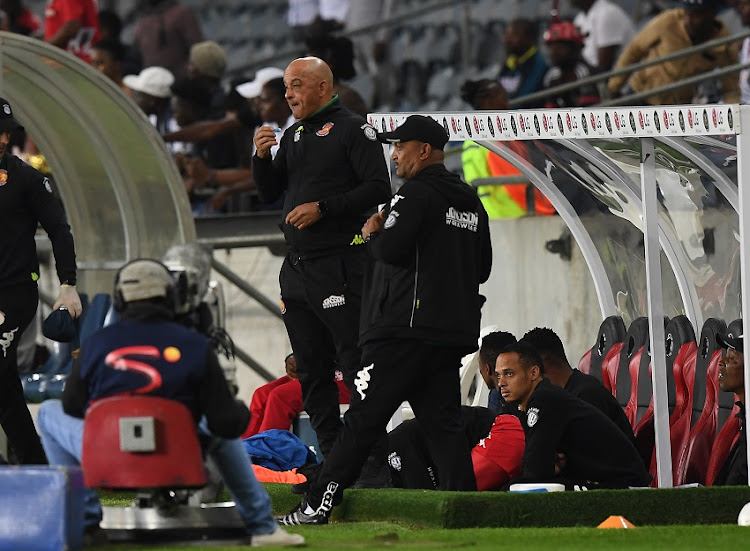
(432, 254)
(333, 156)
(148, 353)
(597, 453)
(26, 200)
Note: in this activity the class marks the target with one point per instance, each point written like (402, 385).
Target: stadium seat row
(702, 420)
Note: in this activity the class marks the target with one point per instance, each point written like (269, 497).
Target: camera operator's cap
(726, 341)
(143, 279)
(418, 128)
(60, 325)
(154, 81)
(563, 31)
(7, 122)
(209, 58)
(252, 89)
(699, 5)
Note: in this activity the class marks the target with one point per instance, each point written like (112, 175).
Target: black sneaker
(296, 517)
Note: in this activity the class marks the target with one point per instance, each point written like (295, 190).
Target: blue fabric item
(278, 450)
(59, 326)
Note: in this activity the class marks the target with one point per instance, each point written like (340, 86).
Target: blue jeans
(62, 438)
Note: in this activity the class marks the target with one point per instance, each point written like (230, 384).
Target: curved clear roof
(121, 189)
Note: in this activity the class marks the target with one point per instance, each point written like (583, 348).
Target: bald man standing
(333, 171)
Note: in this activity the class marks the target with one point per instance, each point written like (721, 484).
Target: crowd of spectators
(179, 74)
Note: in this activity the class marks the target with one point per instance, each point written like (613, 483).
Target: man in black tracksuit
(567, 440)
(334, 173)
(420, 315)
(26, 200)
(581, 385)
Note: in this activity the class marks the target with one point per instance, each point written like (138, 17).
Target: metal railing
(599, 77)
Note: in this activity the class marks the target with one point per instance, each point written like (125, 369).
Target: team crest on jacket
(3, 177)
(370, 133)
(325, 130)
(532, 416)
(395, 461)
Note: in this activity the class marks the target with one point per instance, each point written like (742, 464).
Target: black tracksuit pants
(18, 306)
(321, 302)
(393, 371)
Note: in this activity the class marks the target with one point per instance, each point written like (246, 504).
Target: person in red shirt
(72, 25)
(21, 19)
(274, 405)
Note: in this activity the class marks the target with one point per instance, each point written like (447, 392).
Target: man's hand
(198, 171)
(291, 367)
(303, 215)
(374, 224)
(69, 297)
(264, 140)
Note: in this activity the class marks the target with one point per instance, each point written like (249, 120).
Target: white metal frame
(644, 123)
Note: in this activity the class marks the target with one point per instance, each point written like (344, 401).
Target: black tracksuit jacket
(332, 156)
(26, 200)
(596, 450)
(432, 254)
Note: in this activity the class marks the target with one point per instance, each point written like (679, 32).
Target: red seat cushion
(177, 461)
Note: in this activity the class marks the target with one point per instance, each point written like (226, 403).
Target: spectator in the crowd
(732, 379)
(606, 29)
(267, 96)
(524, 68)
(207, 64)
(144, 298)
(110, 27)
(567, 440)
(191, 103)
(72, 25)
(309, 17)
(152, 92)
(275, 404)
(691, 24)
(21, 19)
(164, 33)
(564, 44)
(500, 201)
(106, 57)
(338, 53)
(586, 387)
(743, 7)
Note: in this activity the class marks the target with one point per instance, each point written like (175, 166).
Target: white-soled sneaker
(278, 538)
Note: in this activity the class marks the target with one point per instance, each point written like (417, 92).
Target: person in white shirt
(606, 29)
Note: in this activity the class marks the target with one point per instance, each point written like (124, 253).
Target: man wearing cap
(564, 44)
(693, 22)
(26, 200)
(732, 379)
(333, 171)
(148, 352)
(152, 92)
(207, 64)
(420, 315)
